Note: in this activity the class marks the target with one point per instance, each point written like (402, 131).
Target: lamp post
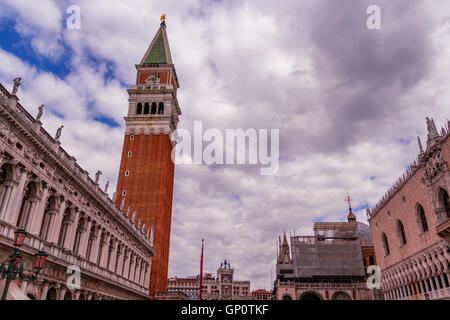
(13, 267)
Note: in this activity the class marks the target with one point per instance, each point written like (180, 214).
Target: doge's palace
(44, 190)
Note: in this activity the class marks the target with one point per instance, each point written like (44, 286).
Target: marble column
(126, 263)
(129, 276)
(112, 260)
(5, 196)
(62, 293)
(85, 239)
(38, 215)
(12, 214)
(57, 223)
(119, 262)
(44, 291)
(104, 256)
(72, 231)
(95, 246)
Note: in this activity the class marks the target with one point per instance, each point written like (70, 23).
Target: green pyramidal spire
(157, 53)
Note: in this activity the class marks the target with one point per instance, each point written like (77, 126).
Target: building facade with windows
(262, 294)
(411, 225)
(221, 287)
(44, 190)
(331, 265)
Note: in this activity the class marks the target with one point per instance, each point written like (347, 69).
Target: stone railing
(153, 86)
(312, 285)
(65, 257)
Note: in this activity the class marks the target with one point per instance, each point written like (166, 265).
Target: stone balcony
(443, 223)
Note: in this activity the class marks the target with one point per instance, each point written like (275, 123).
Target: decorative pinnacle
(163, 17)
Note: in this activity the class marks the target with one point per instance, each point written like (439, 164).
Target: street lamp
(13, 267)
(19, 237)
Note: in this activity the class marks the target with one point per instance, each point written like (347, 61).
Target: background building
(411, 225)
(326, 266)
(145, 183)
(222, 287)
(262, 294)
(44, 190)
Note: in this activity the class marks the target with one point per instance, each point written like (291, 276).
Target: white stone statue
(58, 133)
(16, 85)
(114, 197)
(143, 228)
(133, 217)
(40, 112)
(128, 211)
(139, 223)
(106, 187)
(122, 204)
(97, 176)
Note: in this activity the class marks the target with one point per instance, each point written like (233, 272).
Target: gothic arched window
(422, 219)
(153, 108)
(385, 244)
(147, 108)
(161, 108)
(139, 108)
(401, 232)
(444, 202)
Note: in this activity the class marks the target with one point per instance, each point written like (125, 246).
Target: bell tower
(145, 183)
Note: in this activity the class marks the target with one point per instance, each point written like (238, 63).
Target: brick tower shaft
(145, 183)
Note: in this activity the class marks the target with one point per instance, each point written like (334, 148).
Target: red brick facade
(149, 191)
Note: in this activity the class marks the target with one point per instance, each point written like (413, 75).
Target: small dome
(351, 217)
(364, 233)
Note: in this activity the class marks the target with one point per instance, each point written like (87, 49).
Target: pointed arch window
(401, 232)
(422, 219)
(444, 204)
(139, 108)
(385, 244)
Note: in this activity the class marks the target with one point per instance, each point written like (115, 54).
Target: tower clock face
(226, 278)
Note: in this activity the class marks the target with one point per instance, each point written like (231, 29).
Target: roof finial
(349, 201)
(351, 216)
(163, 20)
(420, 144)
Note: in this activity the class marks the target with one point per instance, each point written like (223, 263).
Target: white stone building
(222, 287)
(44, 190)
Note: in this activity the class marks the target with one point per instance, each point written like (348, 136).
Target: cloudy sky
(349, 103)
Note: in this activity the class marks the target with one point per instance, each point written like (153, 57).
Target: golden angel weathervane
(163, 17)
